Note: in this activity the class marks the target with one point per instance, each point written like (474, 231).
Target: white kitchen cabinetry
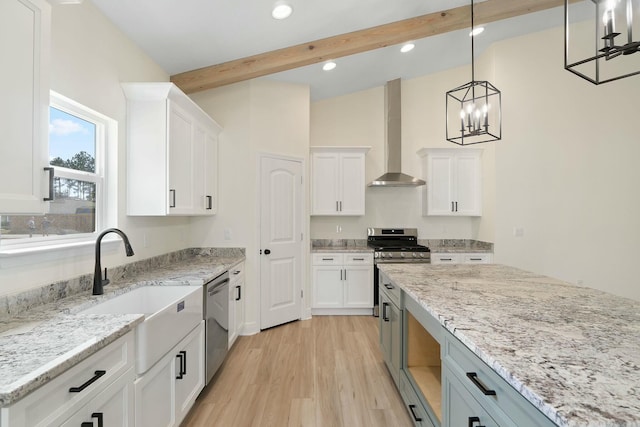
(342, 283)
(461, 258)
(236, 302)
(338, 180)
(25, 27)
(454, 182)
(172, 153)
(166, 392)
(100, 383)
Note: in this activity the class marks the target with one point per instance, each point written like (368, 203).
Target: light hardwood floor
(323, 372)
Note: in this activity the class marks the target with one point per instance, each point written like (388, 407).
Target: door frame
(305, 303)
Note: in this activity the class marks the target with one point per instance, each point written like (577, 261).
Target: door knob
(267, 251)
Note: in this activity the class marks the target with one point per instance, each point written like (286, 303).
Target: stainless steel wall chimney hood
(393, 150)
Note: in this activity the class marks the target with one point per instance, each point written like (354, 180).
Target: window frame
(24, 251)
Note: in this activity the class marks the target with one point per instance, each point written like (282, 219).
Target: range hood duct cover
(393, 141)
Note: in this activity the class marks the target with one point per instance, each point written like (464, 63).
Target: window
(78, 138)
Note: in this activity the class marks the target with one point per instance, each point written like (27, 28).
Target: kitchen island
(572, 352)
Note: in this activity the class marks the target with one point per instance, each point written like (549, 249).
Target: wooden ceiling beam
(355, 42)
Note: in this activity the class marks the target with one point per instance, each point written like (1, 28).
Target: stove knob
(421, 255)
(415, 255)
(381, 254)
(389, 255)
(402, 254)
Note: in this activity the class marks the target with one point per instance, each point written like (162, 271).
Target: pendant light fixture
(602, 39)
(474, 110)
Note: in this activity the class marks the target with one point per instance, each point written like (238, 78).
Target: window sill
(21, 255)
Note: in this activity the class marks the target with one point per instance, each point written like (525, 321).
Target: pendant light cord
(473, 61)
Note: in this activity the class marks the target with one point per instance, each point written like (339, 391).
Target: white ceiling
(182, 35)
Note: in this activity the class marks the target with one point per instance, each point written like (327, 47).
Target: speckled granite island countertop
(45, 340)
(573, 352)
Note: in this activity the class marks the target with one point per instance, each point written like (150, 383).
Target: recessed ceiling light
(407, 47)
(281, 10)
(476, 31)
(328, 66)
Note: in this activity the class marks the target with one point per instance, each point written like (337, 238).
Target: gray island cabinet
(491, 345)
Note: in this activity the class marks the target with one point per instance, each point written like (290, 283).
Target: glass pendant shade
(602, 39)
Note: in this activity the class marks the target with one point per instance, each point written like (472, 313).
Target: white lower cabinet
(236, 302)
(165, 393)
(461, 258)
(111, 407)
(96, 385)
(342, 283)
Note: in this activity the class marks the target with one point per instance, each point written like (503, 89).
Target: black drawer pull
(475, 259)
(358, 259)
(98, 415)
(239, 297)
(474, 379)
(51, 172)
(446, 259)
(473, 420)
(97, 374)
(209, 203)
(327, 259)
(172, 197)
(413, 412)
(388, 286)
(183, 364)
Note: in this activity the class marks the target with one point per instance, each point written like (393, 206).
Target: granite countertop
(321, 249)
(573, 352)
(339, 245)
(42, 342)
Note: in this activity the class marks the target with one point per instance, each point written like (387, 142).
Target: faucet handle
(105, 281)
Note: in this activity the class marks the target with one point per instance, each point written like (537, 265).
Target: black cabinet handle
(385, 317)
(413, 412)
(345, 274)
(446, 259)
(358, 259)
(456, 206)
(474, 379)
(239, 293)
(473, 420)
(452, 209)
(98, 415)
(209, 203)
(388, 286)
(337, 208)
(475, 259)
(172, 196)
(267, 251)
(182, 355)
(96, 375)
(327, 259)
(51, 174)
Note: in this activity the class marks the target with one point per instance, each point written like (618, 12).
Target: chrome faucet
(98, 281)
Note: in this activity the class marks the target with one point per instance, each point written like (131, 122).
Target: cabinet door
(155, 395)
(467, 181)
(113, 406)
(358, 286)
(24, 105)
(327, 286)
(325, 184)
(181, 144)
(211, 196)
(440, 197)
(233, 329)
(189, 372)
(239, 303)
(352, 184)
(390, 335)
(460, 407)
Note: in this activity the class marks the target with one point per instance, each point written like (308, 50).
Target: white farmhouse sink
(171, 312)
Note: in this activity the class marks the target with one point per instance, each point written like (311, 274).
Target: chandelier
(604, 51)
(474, 109)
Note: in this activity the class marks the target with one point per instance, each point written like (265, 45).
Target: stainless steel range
(394, 245)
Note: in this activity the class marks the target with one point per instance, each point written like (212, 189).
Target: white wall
(358, 119)
(259, 116)
(567, 170)
(89, 59)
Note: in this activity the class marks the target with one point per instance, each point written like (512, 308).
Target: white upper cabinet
(172, 153)
(454, 182)
(25, 27)
(338, 180)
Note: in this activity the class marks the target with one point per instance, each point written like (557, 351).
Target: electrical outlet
(518, 231)
(227, 234)
(144, 240)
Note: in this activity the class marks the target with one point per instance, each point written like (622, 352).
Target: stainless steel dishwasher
(216, 316)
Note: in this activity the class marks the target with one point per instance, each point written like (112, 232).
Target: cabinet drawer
(328, 259)
(476, 258)
(387, 287)
(445, 258)
(460, 408)
(358, 259)
(506, 406)
(417, 413)
(53, 402)
(237, 273)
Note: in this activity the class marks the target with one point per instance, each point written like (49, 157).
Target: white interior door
(280, 240)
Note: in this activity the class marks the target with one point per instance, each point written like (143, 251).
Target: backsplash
(338, 243)
(10, 305)
(442, 244)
